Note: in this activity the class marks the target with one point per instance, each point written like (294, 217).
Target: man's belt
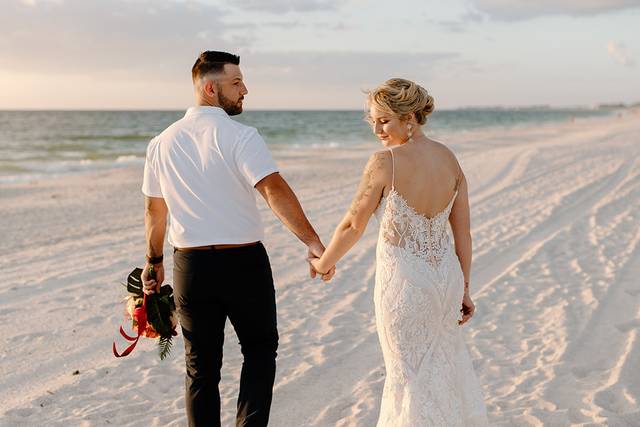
(215, 247)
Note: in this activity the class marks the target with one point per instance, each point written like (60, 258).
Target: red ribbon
(140, 316)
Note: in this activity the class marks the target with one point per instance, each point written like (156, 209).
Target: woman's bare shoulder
(379, 163)
(444, 152)
(380, 158)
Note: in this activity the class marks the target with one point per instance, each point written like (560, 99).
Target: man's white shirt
(205, 167)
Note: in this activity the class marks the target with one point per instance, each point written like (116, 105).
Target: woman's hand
(467, 310)
(318, 267)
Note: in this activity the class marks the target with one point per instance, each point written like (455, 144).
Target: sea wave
(113, 137)
(329, 144)
(38, 170)
(130, 159)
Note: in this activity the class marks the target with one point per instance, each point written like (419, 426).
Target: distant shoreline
(613, 106)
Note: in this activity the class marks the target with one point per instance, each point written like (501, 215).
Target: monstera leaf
(134, 282)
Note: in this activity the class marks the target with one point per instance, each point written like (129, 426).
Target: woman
(414, 187)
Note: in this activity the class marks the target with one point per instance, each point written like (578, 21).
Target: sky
(319, 54)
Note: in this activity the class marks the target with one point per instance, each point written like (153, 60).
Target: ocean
(37, 144)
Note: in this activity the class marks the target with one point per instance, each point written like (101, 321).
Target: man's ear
(209, 87)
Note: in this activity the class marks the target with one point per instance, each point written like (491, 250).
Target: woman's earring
(409, 132)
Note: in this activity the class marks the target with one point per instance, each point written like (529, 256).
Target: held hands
(315, 266)
(151, 284)
(316, 250)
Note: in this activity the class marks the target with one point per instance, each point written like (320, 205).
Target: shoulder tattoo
(374, 165)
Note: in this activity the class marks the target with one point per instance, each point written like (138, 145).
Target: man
(202, 171)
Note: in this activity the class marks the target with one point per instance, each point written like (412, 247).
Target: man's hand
(152, 285)
(316, 249)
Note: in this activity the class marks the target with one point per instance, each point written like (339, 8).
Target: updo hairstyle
(401, 98)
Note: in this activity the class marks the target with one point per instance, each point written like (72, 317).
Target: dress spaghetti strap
(393, 170)
(459, 177)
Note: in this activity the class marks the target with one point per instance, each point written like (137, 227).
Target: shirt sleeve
(253, 157)
(150, 180)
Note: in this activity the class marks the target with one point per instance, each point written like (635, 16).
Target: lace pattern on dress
(424, 237)
(419, 287)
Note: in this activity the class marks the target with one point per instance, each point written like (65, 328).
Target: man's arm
(376, 174)
(284, 203)
(155, 225)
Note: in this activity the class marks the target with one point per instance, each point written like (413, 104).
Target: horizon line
(604, 105)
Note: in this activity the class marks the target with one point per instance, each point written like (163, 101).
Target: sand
(555, 225)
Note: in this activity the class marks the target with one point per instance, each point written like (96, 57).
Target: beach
(555, 214)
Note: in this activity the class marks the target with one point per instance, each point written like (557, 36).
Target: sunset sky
(319, 54)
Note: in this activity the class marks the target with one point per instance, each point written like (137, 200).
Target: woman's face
(388, 128)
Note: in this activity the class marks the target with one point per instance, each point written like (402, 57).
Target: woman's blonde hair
(402, 98)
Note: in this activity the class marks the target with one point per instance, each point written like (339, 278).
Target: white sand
(556, 227)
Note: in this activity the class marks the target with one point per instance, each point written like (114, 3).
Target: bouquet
(152, 316)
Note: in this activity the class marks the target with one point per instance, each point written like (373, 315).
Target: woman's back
(426, 175)
(414, 213)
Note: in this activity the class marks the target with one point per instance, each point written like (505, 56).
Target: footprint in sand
(112, 305)
(27, 338)
(20, 412)
(582, 371)
(6, 311)
(633, 292)
(92, 321)
(615, 399)
(627, 326)
(59, 309)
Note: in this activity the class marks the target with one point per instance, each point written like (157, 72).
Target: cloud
(457, 24)
(345, 68)
(618, 52)
(284, 6)
(276, 80)
(34, 3)
(119, 37)
(333, 26)
(334, 79)
(451, 26)
(133, 53)
(513, 10)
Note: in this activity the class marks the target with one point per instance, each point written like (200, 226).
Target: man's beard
(230, 107)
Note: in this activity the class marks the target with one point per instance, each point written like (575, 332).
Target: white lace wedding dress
(418, 293)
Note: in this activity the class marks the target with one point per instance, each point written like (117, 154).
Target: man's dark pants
(211, 285)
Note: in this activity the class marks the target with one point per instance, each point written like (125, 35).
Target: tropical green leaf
(165, 344)
(134, 282)
(157, 316)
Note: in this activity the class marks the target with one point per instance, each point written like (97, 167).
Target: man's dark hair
(212, 61)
